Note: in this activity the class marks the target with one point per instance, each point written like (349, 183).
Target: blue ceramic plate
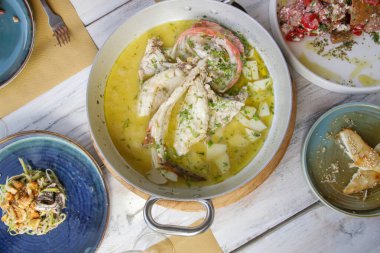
(87, 196)
(326, 166)
(16, 38)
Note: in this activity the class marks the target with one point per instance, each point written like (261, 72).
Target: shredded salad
(32, 202)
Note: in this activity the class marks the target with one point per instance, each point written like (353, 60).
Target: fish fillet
(157, 89)
(223, 110)
(192, 120)
(154, 59)
(159, 123)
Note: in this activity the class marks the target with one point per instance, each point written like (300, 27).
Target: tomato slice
(358, 30)
(295, 35)
(307, 2)
(372, 2)
(310, 21)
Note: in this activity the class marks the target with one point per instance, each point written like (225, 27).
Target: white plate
(332, 74)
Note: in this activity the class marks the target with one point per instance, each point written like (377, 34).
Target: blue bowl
(321, 150)
(16, 39)
(87, 206)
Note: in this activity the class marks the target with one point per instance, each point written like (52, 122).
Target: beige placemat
(49, 63)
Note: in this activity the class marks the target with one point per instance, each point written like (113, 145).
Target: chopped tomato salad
(340, 18)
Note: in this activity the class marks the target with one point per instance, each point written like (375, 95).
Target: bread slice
(362, 180)
(365, 14)
(362, 155)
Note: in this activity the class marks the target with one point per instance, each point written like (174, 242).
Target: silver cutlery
(58, 26)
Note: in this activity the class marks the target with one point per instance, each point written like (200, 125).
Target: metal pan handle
(227, 1)
(179, 230)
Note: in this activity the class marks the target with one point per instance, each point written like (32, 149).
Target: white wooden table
(282, 215)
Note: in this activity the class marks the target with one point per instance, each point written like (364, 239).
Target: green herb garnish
(375, 37)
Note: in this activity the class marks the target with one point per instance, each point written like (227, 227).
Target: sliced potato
(215, 150)
(223, 163)
(251, 70)
(218, 134)
(238, 140)
(260, 84)
(254, 124)
(264, 110)
(155, 176)
(170, 175)
(251, 53)
(258, 125)
(252, 135)
(248, 111)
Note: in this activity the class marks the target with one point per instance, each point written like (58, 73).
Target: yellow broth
(127, 129)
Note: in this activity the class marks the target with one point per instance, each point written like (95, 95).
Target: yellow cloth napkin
(202, 243)
(49, 63)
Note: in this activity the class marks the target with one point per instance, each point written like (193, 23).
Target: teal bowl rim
(22, 66)
(74, 143)
(303, 158)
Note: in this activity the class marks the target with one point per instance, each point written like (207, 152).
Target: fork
(59, 28)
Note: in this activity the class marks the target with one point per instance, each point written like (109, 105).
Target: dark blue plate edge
(66, 139)
(22, 66)
(303, 158)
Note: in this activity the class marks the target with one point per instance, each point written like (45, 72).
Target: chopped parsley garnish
(191, 43)
(126, 123)
(154, 63)
(319, 44)
(244, 41)
(340, 51)
(271, 108)
(323, 27)
(219, 54)
(256, 134)
(375, 37)
(185, 115)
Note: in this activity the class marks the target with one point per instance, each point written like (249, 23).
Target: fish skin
(183, 172)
